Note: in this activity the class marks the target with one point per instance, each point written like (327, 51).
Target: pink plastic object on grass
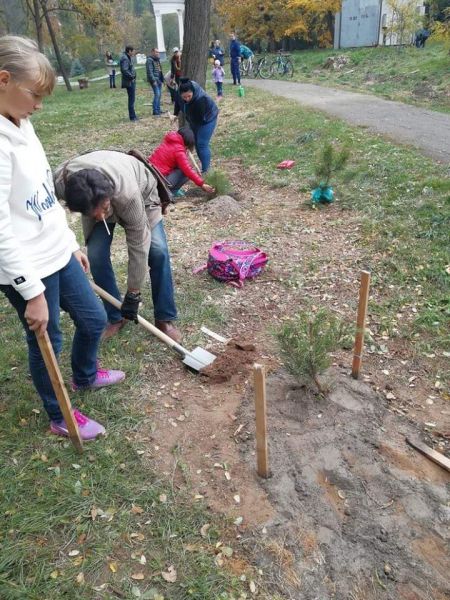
(286, 164)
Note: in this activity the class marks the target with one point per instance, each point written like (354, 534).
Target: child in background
(42, 268)
(218, 74)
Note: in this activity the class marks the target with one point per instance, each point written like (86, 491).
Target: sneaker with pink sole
(88, 428)
(103, 378)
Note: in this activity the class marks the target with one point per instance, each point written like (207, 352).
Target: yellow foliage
(441, 29)
(311, 20)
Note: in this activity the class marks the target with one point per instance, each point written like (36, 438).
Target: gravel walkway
(427, 130)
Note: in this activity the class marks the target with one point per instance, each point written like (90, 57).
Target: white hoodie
(35, 240)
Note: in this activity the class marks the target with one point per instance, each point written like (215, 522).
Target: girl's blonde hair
(21, 57)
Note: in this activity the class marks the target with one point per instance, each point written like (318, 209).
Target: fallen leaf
(138, 576)
(227, 551)
(170, 575)
(54, 574)
(136, 510)
(80, 578)
(143, 560)
(74, 553)
(113, 567)
(252, 587)
(163, 498)
(204, 529)
(237, 498)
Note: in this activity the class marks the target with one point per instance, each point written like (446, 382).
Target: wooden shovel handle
(194, 162)
(159, 334)
(60, 389)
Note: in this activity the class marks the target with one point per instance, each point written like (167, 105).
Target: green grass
(401, 201)
(416, 76)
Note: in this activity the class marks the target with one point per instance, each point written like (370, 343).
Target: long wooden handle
(194, 162)
(361, 323)
(261, 421)
(154, 330)
(60, 389)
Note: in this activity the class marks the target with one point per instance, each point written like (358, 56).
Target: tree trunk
(55, 46)
(196, 40)
(38, 24)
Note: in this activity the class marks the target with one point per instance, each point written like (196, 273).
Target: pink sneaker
(89, 429)
(103, 378)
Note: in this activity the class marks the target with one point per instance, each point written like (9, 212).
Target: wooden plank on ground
(436, 457)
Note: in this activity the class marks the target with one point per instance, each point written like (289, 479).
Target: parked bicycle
(282, 66)
(255, 67)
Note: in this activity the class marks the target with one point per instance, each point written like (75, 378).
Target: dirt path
(427, 130)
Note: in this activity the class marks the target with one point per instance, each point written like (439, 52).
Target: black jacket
(154, 71)
(127, 70)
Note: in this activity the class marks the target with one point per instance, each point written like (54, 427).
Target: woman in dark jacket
(201, 113)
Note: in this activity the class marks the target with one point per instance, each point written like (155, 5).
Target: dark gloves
(130, 306)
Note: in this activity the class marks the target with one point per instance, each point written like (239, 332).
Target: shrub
(306, 341)
(220, 181)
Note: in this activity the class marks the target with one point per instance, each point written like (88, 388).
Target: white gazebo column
(160, 35)
(180, 14)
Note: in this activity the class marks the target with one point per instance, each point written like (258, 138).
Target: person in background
(111, 69)
(109, 187)
(42, 269)
(217, 75)
(175, 73)
(247, 54)
(129, 80)
(211, 56)
(235, 59)
(219, 53)
(155, 78)
(171, 161)
(201, 112)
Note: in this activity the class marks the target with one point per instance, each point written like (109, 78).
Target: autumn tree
(197, 14)
(405, 20)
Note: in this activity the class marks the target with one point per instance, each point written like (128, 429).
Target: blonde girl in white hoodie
(42, 268)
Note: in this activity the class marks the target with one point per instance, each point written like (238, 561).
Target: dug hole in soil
(351, 512)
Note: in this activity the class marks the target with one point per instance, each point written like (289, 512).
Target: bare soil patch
(350, 512)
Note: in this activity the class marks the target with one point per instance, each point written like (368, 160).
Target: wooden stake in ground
(261, 421)
(60, 389)
(361, 323)
(194, 162)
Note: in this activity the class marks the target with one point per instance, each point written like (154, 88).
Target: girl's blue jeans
(99, 253)
(203, 135)
(68, 289)
(219, 86)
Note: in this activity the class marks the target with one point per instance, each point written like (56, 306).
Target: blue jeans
(219, 86)
(157, 98)
(69, 289)
(234, 64)
(112, 79)
(203, 135)
(176, 179)
(99, 253)
(131, 91)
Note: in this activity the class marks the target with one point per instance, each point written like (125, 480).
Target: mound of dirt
(222, 207)
(237, 356)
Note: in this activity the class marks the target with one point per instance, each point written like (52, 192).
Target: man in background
(129, 79)
(155, 78)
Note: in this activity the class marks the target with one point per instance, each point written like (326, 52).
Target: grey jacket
(135, 205)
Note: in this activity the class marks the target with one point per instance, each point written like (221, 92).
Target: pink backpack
(232, 261)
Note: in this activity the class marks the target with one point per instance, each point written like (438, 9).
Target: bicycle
(255, 67)
(282, 66)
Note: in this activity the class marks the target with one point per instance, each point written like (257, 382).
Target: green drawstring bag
(241, 91)
(322, 193)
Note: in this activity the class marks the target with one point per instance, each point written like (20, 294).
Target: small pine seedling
(306, 341)
(220, 181)
(330, 161)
